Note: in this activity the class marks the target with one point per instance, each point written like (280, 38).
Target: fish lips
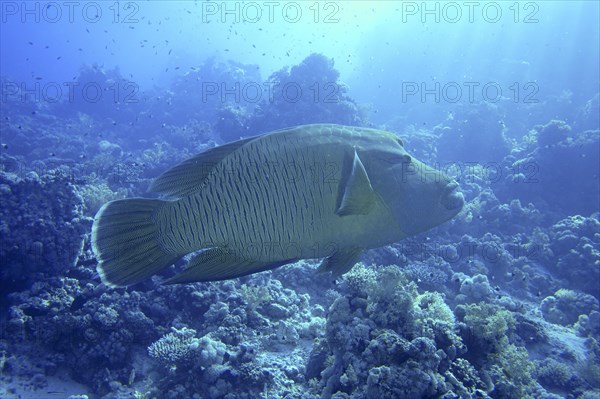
(452, 197)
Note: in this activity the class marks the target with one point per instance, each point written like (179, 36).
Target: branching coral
(173, 347)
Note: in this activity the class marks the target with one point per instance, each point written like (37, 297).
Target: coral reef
(306, 93)
(500, 302)
(384, 340)
(559, 170)
(576, 249)
(566, 306)
(473, 134)
(42, 227)
(588, 117)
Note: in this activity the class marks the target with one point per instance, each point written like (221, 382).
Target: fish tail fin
(125, 241)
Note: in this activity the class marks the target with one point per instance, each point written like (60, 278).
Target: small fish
(315, 191)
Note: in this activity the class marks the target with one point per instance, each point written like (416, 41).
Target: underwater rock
(112, 149)
(566, 306)
(588, 325)
(560, 173)
(304, 93)
(588, 117)
(46, 237)
(576, 252)
(553, 133)
(233, 122)
(477, 288)
(402, 344)
(473, 135)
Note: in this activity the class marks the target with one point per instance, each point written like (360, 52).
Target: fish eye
(400, 142)
(406, 159)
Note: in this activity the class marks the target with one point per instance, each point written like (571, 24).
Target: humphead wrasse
(313, 191)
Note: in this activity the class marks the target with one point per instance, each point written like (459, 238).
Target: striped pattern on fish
(313, 191)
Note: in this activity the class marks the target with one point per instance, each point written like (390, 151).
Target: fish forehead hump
(323, 136)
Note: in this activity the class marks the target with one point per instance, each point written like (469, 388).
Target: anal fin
(216, 264)
(340, 262)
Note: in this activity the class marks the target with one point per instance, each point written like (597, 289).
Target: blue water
(99, 98)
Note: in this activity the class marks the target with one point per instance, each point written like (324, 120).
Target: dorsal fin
(358, 196)
(187, 177)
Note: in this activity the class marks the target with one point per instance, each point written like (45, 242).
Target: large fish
(313, 191)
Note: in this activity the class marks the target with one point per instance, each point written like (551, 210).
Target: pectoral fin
(358, 196)
(218, 264)
(340, 262)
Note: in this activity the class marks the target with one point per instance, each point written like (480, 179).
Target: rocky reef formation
(501, 302)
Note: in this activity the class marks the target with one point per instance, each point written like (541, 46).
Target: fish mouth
(452, 197)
